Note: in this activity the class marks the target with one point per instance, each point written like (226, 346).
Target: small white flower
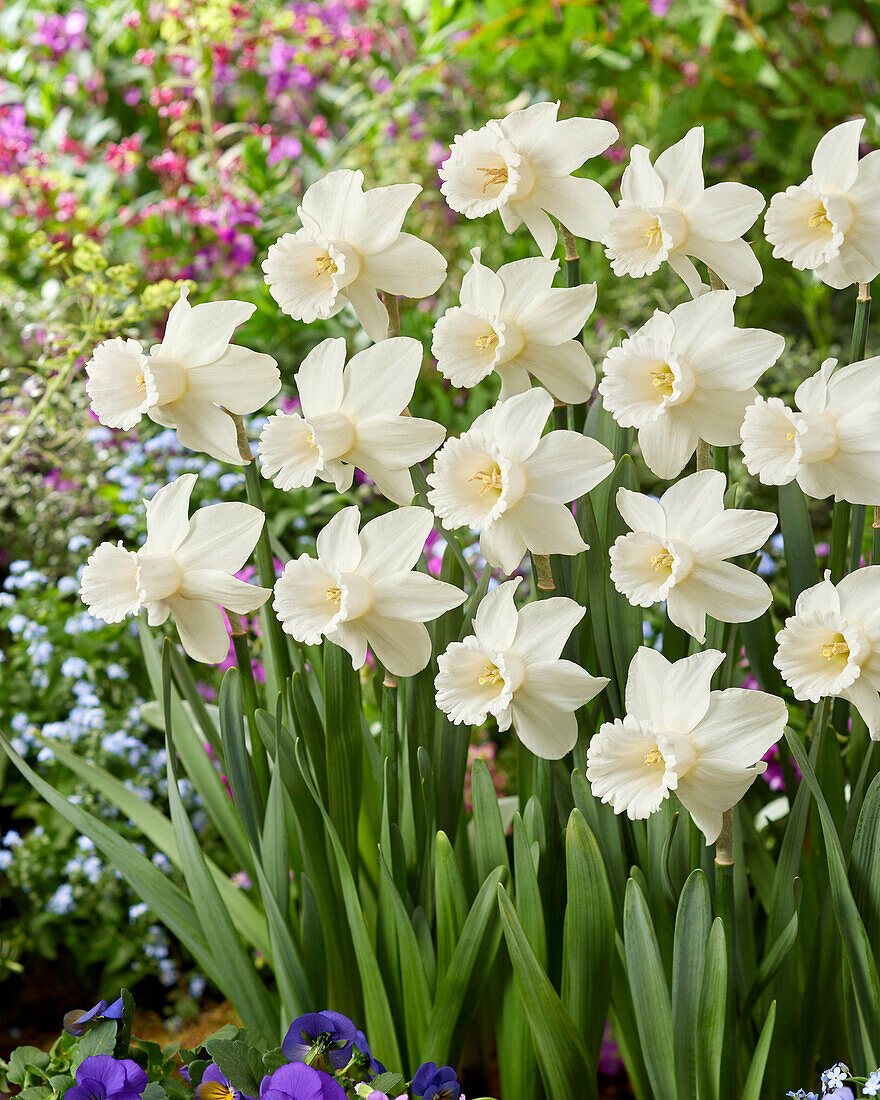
(666, 213)
(361, 590)
(830, 444)
(185, 380)
(830, 223)
(522, 167)
(835, 1078)
(516, 323)
(351, 417)
(185, 567)
(831, 645)
(684, 376)
(676, 551)
(503, 479)
(680, 736)
(510, 668)
(351, 246)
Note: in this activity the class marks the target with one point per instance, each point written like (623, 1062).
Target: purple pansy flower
(101, 1077)
(75, 1021)
(436, 1083)
(298, 1081)
(373, 1064)
(214, 1086)
(305, 1031)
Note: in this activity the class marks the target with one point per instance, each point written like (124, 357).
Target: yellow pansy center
(214, 1090)
(495, 177)
(491, 675)
(490, 479)
(324, 265)
(655, 756)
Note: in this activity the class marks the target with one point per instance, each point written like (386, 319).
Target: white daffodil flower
(522, 167)
(510, 668)
(830, 223)
(680, 736)
(676, 551)
(503, 479)
(831, 645)
(351, 246)
(829, 444)
(666, 213)
(361, 590)
(184, 568)
(351, 417)
(516, 323)
(188, 380)
(685, 376)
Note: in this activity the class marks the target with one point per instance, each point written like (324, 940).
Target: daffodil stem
(704, 455)
(875, 537)
(389, 301)
(259, 759)
(389, 745)
(562, 414)
(715, 281)
(724, 908)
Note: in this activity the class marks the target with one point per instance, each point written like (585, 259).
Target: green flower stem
(389, 301)
(563, 415)
(389, 745)
(259, 757)
(875, 537)
(724, 908)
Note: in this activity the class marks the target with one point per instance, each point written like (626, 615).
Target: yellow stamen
(663, 378)
(334, 594)
(662, 561)
(485, 343)
(141, 383)
(818, 218)
(655, 756)
(495, 177)
(491, 479)
(654, 234)
(490, 675)
(790, 435)
(835, 649)
(324, 266)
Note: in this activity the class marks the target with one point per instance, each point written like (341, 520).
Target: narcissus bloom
(503, 479)
(361, 590)
(510, 668)
(680, 736)
(830, 443)
(351, 417)
(685, 376)
(831, 645)
(522, 167)
(516, 323)
(185, 567)
(830, 223)
(185, 380)
(676, 551)
(351, 246)
(666, 213)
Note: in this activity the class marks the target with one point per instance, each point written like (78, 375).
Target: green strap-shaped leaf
(156, 827)
(713, 1009)
(798, 540)
(562, 1057)
(650, 994)
(490, 844)
(239, 980)
(344, 746)
(415, 990)
(588, 935)
(451, 908)
(861, 960)
(752, 1090)
(238, 763)
(471, 962)
(377, 1011)
(693, 921)
(770, 964)
(864, 869)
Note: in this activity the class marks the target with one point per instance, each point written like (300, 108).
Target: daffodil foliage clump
(690, 852)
